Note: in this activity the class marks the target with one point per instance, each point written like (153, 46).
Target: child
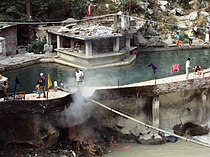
(177, 39)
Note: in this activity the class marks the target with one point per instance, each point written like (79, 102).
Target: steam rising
(78, 112)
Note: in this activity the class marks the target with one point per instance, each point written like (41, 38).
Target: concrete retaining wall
(174, 108)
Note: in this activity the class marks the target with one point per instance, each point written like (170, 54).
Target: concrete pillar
(123, 22)
(2, 47)
(72, 44)
(59, 41)
(128, 41)
(116, 44)
(156, 112)
(116, 21)
(202, 108)
(128, 19)
(49, 38)
(88, 48)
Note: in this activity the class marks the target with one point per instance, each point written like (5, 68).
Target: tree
(78, 8)
(28, 9)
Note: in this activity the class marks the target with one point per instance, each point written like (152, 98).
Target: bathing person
(197, 70)
(79, 77)
(203, 71)
(41, 83)
(187, 67)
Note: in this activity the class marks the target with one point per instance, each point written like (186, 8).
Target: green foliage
(43, 10)
(184, 38)
(172, 24)
(12, 10)
(125, 6)
(36, 46)
(185, 4)
(78, 8)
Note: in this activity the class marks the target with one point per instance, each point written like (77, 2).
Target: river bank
(179, 149)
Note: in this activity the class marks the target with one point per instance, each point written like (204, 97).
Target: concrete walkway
(19, 60)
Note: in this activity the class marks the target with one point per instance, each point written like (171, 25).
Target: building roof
(3, 25)
(85, 32)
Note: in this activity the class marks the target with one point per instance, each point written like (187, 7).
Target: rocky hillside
(166, 17)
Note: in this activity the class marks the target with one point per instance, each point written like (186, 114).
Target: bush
(171, 24)
(36, 46)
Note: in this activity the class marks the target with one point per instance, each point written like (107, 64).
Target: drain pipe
(149, 126)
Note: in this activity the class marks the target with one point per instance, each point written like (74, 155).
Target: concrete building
(95, 42)
(9, 34)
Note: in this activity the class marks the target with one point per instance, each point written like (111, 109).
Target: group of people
(41, 83)
(40, 87)
(190, 38)
(198, 70)
(193, 33)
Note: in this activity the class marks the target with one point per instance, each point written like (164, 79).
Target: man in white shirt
(79, 77)
(187, 66)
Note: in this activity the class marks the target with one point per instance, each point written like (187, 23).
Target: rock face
(30, 122)
(183, 102)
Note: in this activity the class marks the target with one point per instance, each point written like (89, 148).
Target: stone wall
(175, 108)
(10, 35)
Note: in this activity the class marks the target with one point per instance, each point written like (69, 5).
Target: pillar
(72, 44)
(156, 112)
(116, 21)
(49, 38)
(116, 44)
(123, 22)
(2, 46)
(128, 19)
(59, 41)
(202, 108)
(88, 48)
(128, 41)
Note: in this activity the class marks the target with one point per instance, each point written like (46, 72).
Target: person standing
(195, 30)
(178, 39)
(41, 83)
(55, 84)
(79, 77)
(5, 87)
(190, 37)
(187, 66)
(207, 34)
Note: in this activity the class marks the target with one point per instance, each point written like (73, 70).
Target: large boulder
(150, 139)
(191, 129)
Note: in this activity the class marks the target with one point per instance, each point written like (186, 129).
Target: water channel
(136, 72)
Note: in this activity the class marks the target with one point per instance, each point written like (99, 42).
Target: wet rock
(190, 129)
(150, 138)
